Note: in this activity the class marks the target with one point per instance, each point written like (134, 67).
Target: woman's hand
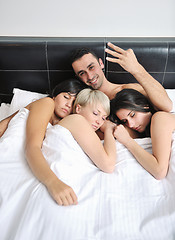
(107, 125)
(121, 134)
(4, 123)
(3, 127)
(62, 193)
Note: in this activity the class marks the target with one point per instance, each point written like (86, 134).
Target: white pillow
(22, 98)
(4, 110)
(171, 94)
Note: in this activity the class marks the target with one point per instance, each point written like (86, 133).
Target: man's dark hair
(80, 52)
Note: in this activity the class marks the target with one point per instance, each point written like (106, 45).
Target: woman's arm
(103, 156)
(4, 123)
(162, 126)
(39, 117)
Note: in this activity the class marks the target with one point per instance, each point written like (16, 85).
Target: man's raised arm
(151, 87)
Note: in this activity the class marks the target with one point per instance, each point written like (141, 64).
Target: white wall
(64, 18)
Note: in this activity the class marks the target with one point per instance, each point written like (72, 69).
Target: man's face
(89, 70)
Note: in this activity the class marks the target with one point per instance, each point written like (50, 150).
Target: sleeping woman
(131, 109)
(39, 115)
(91, 108)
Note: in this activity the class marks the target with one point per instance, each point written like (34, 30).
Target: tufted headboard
(39, 63)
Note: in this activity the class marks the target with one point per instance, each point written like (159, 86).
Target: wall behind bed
(97, 18)
(38, 64)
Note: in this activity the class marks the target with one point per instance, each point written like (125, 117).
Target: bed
(127, 204)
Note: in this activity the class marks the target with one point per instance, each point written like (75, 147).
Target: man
(89, 68)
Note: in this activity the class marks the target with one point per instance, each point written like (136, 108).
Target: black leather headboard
(38, 64)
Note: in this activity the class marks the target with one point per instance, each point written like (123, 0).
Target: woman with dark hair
(132, 109)
(26, 134)
(69, 86)
(34, 119)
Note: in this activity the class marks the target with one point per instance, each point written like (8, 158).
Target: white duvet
(128, 204)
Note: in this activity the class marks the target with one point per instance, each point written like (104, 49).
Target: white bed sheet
(128, 204)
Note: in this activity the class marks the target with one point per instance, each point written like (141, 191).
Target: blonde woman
(91, 108)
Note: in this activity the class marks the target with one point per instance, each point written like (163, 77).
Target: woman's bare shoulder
(163, 119)
(75, 122)
(77, 118)
(163, 115)
(46, 101)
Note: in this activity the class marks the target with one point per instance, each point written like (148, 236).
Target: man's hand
(149, 86)
(125, 58)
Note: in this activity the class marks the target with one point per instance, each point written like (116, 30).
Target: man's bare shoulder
(118, 87)
(135, 86)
